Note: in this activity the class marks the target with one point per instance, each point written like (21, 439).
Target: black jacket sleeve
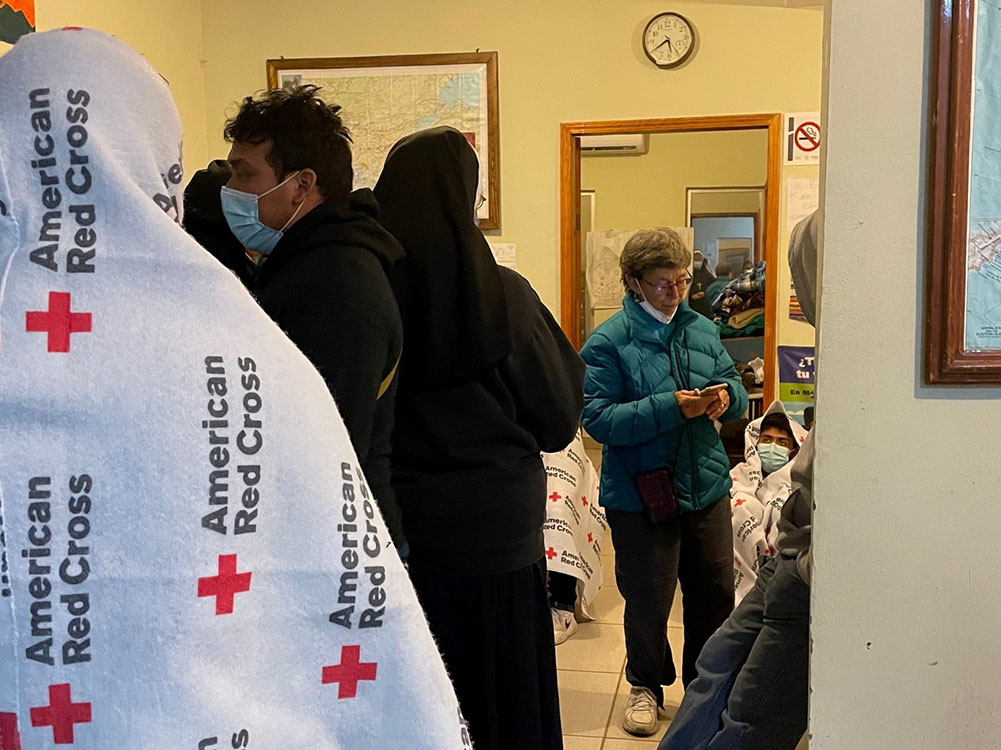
(544, 372)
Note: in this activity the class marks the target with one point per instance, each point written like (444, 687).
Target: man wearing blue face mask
(325, 262)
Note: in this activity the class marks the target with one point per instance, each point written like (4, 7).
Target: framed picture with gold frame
(386, 98)
(962, 336)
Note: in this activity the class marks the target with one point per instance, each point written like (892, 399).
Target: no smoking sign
(803, 135)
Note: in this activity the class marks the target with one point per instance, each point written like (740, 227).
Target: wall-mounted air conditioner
(614, 145)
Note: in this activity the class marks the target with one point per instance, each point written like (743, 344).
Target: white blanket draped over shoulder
(756, 502)
(191, 555)
(575, 523)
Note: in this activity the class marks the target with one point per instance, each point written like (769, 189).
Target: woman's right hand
(692, 403)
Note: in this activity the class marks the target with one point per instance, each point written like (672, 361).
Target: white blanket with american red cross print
(755, 502)
(575, 523)
(191, 557)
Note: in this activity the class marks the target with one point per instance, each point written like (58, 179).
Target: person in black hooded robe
(488, 381)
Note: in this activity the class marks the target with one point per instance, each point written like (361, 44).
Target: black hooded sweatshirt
(488, 380)
(326, 285)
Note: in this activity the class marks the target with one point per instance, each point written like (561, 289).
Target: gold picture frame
(387, 97)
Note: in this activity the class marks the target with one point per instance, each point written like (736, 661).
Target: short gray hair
(650, 249)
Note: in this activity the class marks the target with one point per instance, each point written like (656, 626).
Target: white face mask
(650, 310)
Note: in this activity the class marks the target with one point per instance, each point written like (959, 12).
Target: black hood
(327, 226)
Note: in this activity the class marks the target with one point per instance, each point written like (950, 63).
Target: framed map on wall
(963, 296)
(387, 98)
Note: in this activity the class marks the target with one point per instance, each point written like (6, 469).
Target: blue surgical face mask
(241, 212)
(773, 456)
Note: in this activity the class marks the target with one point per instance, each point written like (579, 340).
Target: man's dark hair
(305, 133)
(724, 269)
(779, 422)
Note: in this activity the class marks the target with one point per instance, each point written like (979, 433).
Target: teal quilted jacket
(634, 366)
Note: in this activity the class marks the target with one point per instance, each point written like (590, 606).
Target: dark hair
(778, 422)
(724, 269)
(305, 133)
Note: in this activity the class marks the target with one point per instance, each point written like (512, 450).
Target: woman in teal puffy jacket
(647, 368)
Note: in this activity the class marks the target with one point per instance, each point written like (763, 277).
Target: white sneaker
(564, 625)
(641, 713)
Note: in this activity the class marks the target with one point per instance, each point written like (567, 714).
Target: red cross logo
(61, 714)
(225, 586)
(556, 496)
(58, 322)
(349, 672)
(584, 501)
(738, 502)
(550, 553)
(590, 538)
(10, 737)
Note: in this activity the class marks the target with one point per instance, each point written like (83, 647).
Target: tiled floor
(593, 687)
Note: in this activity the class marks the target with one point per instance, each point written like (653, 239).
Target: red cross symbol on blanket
(61, 714)
(738, 502)
(590, 538)
(349, 672)
(58, 322)
(551, 553)
(10, 737)
(583, 501)
(556, 496)
(225, 586)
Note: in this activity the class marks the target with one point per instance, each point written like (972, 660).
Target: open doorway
(650, 173)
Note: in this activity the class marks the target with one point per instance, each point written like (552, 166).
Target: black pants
(495, 633)
(562, 591)
(695, 549)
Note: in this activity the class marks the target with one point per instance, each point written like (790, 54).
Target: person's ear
(305, 183)
(634, 284)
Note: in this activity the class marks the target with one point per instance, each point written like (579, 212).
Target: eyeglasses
(663, 286)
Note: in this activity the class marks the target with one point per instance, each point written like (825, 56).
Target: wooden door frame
(571, 296)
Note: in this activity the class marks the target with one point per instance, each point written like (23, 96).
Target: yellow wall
(791, 332)
(167, 32)
(559, 61)
(633, 192)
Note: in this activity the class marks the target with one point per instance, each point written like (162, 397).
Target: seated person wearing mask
(761, 485)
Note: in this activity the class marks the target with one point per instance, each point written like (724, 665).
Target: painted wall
(560, 60)
(634, 192)
(905, 603)
(791, 332)
(167, 32)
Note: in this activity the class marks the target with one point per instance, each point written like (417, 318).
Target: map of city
(381, 105)
(983, 273)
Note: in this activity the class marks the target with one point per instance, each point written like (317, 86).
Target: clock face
(668, 40)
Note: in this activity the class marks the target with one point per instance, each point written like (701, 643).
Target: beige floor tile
(634, 744)
(581, 743)
(672, 699)
(609, 606)
(596, 647)
(585, 701)
(676, 611)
